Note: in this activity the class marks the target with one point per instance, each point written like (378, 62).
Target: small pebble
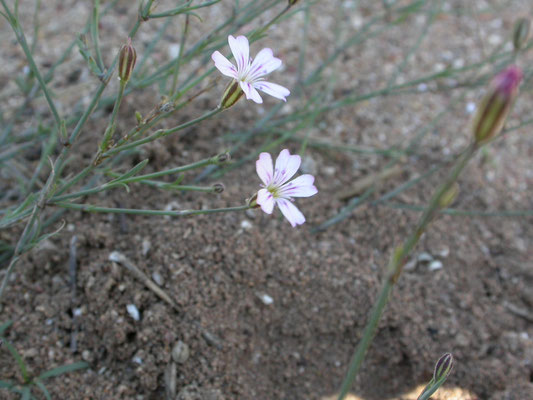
(137, 360)
(156, 276)
(266, 299)
(425, 258)
(133, 311)
(173, 50)
(435, 265)
(246, 225)
(470, 107)
(146, 246)
(180, 352)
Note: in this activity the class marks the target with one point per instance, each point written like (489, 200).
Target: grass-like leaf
(63, 370)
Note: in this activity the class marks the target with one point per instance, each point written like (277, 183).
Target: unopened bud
(218, 188)
(232, 95)
(449, 196)
(138, 117)
(223, 158)
(252, 201)
(443, 367)
(126, 61)
(521, 33)
(495, 106)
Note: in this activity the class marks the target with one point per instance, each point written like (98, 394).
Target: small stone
(424, 258)
(246, 225)
(445, 252)
(156, 276)
(308, 165)
(133, 311)
(411, 265)
(137, 360)
(470, 107)
(86, 355)
(146, 246)
(266, 299)
(435, 265)
(173, 50)
(180, 352)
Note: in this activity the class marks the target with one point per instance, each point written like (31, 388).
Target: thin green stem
(396, 264)
(161, 133)
(180, 213)
(111, 126)
(95, 35)
(172, 92)
(21, 38)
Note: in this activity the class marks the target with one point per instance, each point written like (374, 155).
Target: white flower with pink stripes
(277, 187)
(249, 73)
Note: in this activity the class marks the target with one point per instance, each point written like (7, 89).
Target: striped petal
(250, 92)
(264, 63)
(223, 65)
(286, 166)
(265, 200)
(273, 89)
(289, 211)
(263, 166)
(241, 51)
(299, 187)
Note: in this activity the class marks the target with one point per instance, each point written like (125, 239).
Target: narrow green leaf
(5, 325)
(18, 359)
(41, 386)
(63, 370)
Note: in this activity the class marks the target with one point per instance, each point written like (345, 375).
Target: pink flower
(277, 188)
(250, 73)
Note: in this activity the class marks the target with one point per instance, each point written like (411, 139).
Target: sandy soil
(477, 303)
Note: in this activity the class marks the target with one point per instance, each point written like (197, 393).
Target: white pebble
(133, 311)
(137, 360)
(173, 50)
(245, 224)
(266, 299)
(435, 265)
(470, 107)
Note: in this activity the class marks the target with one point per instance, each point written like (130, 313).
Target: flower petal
(273, 89)
(263, 166)
(299, 187)
(265, 200)
(286, 166)
(289, 210)
(241, 51)
(223, 65)
(264, 63)
(250, 92)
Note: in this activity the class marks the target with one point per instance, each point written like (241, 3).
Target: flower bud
(218, 188)
(443, 367)
(521, 33)
(449, 196)
(232, 95)
(495, 106)
(126, 61)
(223, 158)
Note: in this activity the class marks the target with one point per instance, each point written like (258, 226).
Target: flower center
(274, 190)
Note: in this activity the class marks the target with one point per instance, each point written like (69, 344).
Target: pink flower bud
(126, 61)
(495, 106)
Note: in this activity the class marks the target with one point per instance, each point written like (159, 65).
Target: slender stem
(161, 133)
(140, 178)
(21, 38)
(395, 268)
(111, 126)
(180, 213)
(178, 58)
(94, 34)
